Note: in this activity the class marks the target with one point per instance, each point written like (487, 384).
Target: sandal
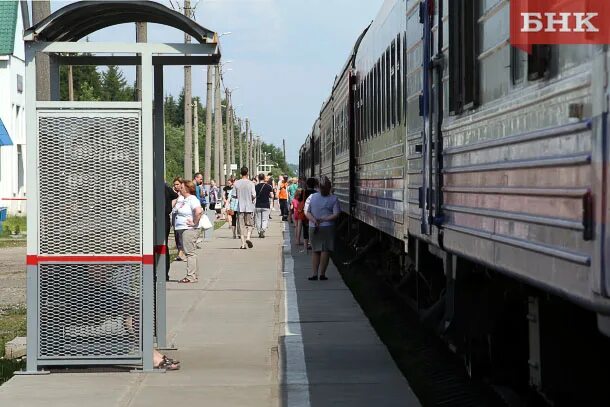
(186, 281)
(168, 364)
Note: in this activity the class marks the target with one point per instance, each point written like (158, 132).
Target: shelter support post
(148, 214)
(32, 207)
(160, 221)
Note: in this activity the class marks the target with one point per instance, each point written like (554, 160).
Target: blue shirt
(321, 206)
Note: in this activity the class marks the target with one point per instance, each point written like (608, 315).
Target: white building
(12, 103)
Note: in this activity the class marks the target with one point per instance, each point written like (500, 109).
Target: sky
(285, 55)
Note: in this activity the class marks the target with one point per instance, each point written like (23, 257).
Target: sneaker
(249, 243)
(262, 234)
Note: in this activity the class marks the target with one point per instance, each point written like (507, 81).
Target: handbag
(204, 222)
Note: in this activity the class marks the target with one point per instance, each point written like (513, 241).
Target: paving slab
(253, 332)
(331, 356)
(225, 328)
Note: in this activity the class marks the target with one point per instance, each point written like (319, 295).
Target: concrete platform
(331, 356)
(253, 332)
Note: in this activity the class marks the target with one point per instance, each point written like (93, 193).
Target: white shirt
(245, 193)
(184, 210)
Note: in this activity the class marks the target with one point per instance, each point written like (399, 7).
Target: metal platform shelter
(96, 192)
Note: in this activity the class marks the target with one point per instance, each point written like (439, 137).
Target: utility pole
(260, 150)
(141, 36)
(251, 145)
(284, 148)
(196, 135)
(232, 131)
(40, 11)
(218, 121)
(240, 139)
(247, 158)
(70, 84)
(188, 110)
(207, 165)
(228, 129)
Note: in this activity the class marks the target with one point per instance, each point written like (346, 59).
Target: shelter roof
(75, 21)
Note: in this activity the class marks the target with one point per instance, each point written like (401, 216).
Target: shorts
(246, 219)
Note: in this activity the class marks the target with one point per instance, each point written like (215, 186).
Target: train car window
(517, 65)
(388, 91)
(405, 92)
(357, 112)
(393, 84)
(382, 94)
(463, 55)
(398, 81)
(378, 93)
(539, 62)
(374, 102)
(370, 107)
(367, 106)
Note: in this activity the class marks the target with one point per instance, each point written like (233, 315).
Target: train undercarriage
(532, 347)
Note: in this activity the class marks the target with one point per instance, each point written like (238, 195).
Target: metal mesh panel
(96, 158)
(90, 310)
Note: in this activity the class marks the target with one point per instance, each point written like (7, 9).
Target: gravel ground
(12, 276)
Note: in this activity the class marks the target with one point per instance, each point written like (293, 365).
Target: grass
(14, 225)
(12, 324)
(12, 243)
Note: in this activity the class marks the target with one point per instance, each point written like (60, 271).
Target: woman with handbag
(215, 204)
(188, 213)
(226, 198)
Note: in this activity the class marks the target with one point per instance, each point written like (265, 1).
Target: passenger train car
(449, 145)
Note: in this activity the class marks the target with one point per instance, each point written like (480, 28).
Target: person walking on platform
(283, 197)
(214, 198)
(245, 193)
(188, 213)
(322, 211)
(170, 197)
(199, 193)
(311, 186)
(177, 233)
(292, 189)
(264, 195)
(227, 193)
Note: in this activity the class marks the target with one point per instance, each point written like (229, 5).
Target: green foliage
(114, 86)
(12, 324)
(86, 80)
(276, 155)
(14, 225)
(174, 151)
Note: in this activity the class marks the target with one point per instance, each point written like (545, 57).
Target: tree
(276, 155)
(81, 75)
(114, 86)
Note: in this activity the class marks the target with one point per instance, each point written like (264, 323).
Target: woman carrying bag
(187, 214)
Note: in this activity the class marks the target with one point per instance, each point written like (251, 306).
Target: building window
(463, 54)
(19, 83)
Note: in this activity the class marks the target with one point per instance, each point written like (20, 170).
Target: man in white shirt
(244, 192)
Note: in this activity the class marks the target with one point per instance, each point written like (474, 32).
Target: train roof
(350, 61)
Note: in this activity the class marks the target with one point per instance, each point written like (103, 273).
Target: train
(475, 174)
